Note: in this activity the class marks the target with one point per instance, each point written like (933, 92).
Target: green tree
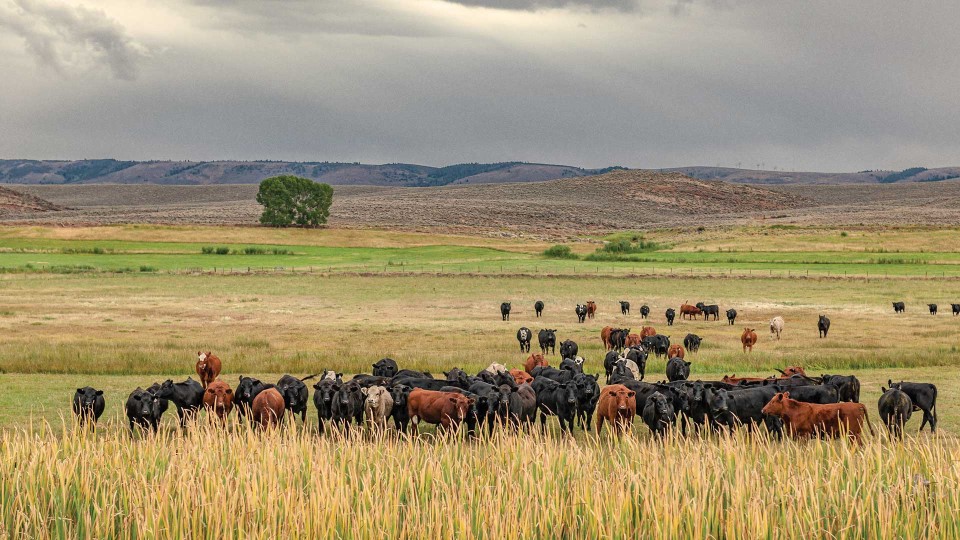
(292, 201)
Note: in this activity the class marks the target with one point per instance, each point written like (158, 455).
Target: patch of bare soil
(14, 202)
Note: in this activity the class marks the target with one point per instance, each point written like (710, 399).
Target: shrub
(560, 252)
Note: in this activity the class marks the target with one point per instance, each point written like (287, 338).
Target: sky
(773, 84)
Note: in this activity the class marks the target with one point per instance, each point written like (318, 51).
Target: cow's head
(777, 405)
(623, 398)
(86, 397)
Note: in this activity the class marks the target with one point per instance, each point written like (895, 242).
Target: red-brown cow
(447, 409)
(748, 338)
(617, 405)
(690, 311)
(535, 359)
(647, 331)
(632, 340)
(805, 420)
(676, 351)
(786, 373)
(591, 309)
(520, 376)
(208, 367)
(605, 337)
(218, 397)
(268, 408)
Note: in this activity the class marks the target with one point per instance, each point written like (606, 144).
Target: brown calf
(520, 376)
(805, 420)
(447, 409)
(617, 405)
(749, 339)
(268, 408)
(208, 367)
(218, 397)
(591, 309)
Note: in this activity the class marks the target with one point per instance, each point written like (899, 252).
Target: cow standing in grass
(823, 325)
(524, 336)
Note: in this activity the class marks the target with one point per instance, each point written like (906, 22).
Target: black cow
(692, 342)
(505, 311)
(899, 307)
(824, 326)
(848, 386)
(574, 364)
(524, 335)
(323, 395)
(558, 399)
(458, 375)
(493, 403)
(670, 314)
(88, 405)
(386, 367)
(187, 396)
(659, 344)
(400, 413)
(581, 311)
(366, 381)
(295, 394)
(246, 390)
(639, 357)
(956, 309)
(618, 338)
(732, 408)
(538, 307)
(433, 384)
(658, 414)
(609, 361)
(712, 309)
(820, 394)
(548, 340)
(162, 403)
(552, 373)
(523, 406)
(933, 308)
(347, 405)
(644, 311)
(731, 316)
(143, 410)
(624, 307)
(588, 394)
(410, 373)
(678, 370)
(698, 402)
(895, 409)
(924, 398)
(569, 349)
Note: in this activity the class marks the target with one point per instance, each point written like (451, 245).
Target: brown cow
(689, 311)
(676, 351)
(268, 408)
(647, 331)
(605, 336)
(218, 397)
(805, 420)
(591, 309)
(521, 376)
(748, 338)
(208, 367)
(535, 359)
(447, 409)
(786, 373)
(632, 340)
(790, 371)
(617, 405)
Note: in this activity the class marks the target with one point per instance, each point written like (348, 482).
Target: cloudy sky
(796, 85)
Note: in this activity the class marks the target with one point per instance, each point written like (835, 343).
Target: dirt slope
(15, 202)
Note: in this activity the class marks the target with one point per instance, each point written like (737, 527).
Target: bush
(293, 201)
(215, 250)
(560, 252)
(636, 244)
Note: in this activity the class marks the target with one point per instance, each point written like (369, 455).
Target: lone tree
(292, 201)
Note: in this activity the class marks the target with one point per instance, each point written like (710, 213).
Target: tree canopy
(293, 201)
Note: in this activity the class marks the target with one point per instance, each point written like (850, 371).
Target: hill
(16, 202)
(748, 176)
(111, 171)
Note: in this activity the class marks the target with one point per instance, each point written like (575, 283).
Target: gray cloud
(533, 5)
(58, 36)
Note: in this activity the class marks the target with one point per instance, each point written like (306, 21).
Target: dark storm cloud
(532, 5)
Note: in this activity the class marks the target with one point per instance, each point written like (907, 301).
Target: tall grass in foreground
(208, 483)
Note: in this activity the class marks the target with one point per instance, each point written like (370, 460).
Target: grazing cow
(268, 409)
(295, 394)
(505, 311)
(895, 410)
(707, 311)
(899, 307)
(605, 334)
(823, 325)
(955, 308)
(624, 307)
(208, 368)
(933, 308)
(569, 349)
(554, 398)
(677, 370)
(689, 311)
(538, 307)
(523, 406)
(400, 413)
(377, 406)
(548, 340)
(520, 376)
(776, 326)
(88, 405)
(591, 309)
(848, 386)
(658, 414)
(632, 340)
(447, 409)
(647, 331)
(348, 405)
(187, 396)
(324, 392)
(574, 364)
(143, 410)
(218, 398)
(676, 351)
(385, 367)
(533, 361)
(804, 420)
(748, 338)
(644, 311)
(581, 311)
(671, 315)
(924, 398)
(524, 335)
(731, 316)
(617, 405)
(692, 342)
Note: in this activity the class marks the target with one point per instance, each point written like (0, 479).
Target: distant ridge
(749, 176)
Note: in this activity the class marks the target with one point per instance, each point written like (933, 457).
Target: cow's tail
(308, 377)
(866, 418)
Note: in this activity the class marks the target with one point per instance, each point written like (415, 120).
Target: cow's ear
(241, 378)
(883, 390)
(356, 389)
(229, 392)
(786, 394)
(79, 390)
(99, 392)
(631, 393)
(688, 363)
(365, 391)
(471, 401)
